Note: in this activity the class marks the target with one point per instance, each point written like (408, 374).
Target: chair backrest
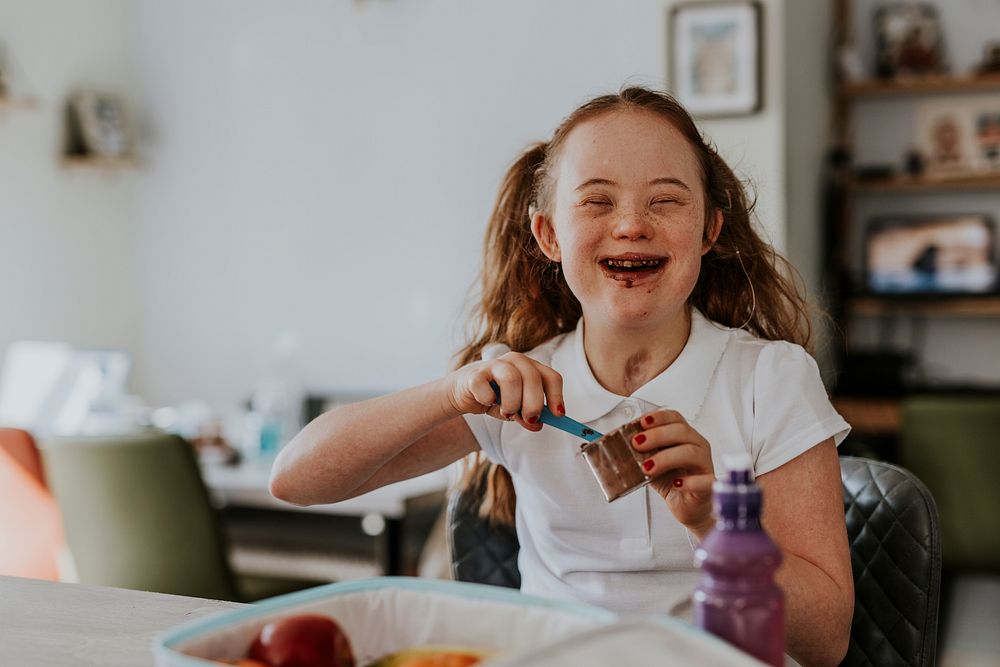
(137, 514)
(895, 555)
(952, 443)
(892, 527)
(31, 534)
(481, 552)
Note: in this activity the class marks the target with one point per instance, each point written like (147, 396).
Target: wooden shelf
(928, 185)
(97, 162)
(983, 306)
(921, 85)
(17, 103)
(870, 415)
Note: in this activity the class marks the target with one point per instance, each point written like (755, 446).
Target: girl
(622, 277)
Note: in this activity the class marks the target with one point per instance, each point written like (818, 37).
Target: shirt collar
(682, 386)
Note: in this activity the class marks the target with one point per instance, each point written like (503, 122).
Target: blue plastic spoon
(566, 424)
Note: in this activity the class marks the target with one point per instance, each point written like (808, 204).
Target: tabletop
(245, 484)
(45, 623)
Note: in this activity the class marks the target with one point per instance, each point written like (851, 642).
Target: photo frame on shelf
(715, 57)
(99, 125)
(908, 40)
(986, 128)
(945, 137)
(931, 255)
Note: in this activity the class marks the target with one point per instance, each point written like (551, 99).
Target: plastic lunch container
(389, 614)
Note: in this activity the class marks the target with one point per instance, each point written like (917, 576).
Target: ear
(545, 236)
(712, 231)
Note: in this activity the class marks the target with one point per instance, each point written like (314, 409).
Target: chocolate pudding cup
(617, 465)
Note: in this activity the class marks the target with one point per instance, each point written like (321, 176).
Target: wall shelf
(872, 416)
(954, 306)
(97, 162)
(927, 185)
(17, 103)
(921, 85)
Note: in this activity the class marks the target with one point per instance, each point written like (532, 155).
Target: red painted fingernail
(647, 465)
(639, 439)
(532, 420)
(678, 482)
(648, 419)
(560, 409)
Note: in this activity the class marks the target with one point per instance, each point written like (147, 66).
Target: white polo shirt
(740, 392)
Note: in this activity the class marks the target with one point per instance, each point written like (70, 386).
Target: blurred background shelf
(905, 184)
(986, 306)
(872, 416)
(96, 162)
(921, 85)
(17, 103)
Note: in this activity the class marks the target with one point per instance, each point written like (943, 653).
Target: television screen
(953, 254)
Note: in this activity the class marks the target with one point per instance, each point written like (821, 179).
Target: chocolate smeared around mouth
(623, 265)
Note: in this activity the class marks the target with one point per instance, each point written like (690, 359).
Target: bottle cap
(739, 468)
(736, 495)
(737, 461)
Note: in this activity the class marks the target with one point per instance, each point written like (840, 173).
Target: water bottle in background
(276, 402)
(737, 598)
(269, 405)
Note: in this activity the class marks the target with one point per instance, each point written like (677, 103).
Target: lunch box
(389, 614)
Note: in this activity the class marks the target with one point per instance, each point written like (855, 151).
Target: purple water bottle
(737, 598)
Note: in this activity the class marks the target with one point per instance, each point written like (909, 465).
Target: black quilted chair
(892, 526)
(480, 552)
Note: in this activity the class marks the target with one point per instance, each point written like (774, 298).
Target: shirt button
(628, 411)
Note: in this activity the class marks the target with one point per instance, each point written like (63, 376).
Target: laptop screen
(59, 389)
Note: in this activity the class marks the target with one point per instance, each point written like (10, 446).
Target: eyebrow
(656, 181)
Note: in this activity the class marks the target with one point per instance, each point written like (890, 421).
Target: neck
(622, 360)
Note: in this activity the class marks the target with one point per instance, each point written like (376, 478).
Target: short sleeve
(792, 412)
(486, 429)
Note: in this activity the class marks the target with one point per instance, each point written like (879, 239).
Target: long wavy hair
(525, 301)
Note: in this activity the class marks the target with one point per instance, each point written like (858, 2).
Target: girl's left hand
(680, 463)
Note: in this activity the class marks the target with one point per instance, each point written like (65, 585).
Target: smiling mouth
(631, 265)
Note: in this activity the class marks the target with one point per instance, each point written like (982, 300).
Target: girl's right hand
(525, 386)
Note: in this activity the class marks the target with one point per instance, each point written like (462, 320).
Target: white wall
(329, 169)
(67, 236)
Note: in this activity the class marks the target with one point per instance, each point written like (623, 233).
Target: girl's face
(627, 218)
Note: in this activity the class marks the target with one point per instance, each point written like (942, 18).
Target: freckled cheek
(578, 249)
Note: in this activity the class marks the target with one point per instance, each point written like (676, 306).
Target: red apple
(306, 640)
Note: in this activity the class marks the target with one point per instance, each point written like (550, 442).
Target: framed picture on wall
(99, 125)
(715, 57)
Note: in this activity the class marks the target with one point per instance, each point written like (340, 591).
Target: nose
(632, 224)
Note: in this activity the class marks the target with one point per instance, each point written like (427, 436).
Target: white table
(245, 485)
(45, 623)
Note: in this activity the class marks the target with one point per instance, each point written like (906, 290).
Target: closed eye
(666, 200)
(599, 201)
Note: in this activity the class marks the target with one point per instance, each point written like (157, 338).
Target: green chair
(952, 443)
(137, 515)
